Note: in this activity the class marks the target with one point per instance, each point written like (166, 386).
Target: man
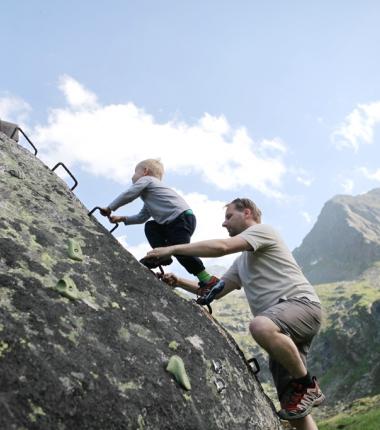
(286, 309)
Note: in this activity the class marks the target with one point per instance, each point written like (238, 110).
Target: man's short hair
(154, 166)
(243, 203)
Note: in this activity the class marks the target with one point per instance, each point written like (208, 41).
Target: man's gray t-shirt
(269, 272)
(161, 203)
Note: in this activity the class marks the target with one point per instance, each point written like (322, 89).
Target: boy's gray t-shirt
(269, 272)
(161, 203)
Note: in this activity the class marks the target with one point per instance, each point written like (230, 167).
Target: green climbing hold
(177, 368)
(74, 250)
(66, 287)
(173, 345)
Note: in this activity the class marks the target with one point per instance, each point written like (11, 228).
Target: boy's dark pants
(176, 232)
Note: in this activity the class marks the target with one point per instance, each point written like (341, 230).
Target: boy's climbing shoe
(153, 263)
(298, 400)
(208, 290)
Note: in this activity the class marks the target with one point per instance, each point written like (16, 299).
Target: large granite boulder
(86, 332)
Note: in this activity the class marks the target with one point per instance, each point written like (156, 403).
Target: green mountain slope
(362, 414)
(346, 353)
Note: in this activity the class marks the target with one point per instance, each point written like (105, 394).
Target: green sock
(203, 276)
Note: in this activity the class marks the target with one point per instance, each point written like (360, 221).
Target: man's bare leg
(305, 423)
(280, 347)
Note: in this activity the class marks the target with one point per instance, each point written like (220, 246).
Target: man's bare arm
(192, 287)
(176, 281)
(228, 288)
(205, 248)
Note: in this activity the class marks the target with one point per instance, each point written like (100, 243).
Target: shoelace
(204, 289)
(293, 398)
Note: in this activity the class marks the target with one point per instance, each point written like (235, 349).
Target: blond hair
(154, 166)
(243, 203)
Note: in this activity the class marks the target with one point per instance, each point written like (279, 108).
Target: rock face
(86, 332)
(345, 241)
(9, 129)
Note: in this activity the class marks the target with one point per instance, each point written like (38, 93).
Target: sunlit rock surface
(85, 342)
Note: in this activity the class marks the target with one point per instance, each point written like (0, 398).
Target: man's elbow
(223, 249)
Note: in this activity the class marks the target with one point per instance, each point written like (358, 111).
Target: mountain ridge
(344, 241)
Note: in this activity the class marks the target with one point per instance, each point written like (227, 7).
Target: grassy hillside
(346, 353)
(362, 414)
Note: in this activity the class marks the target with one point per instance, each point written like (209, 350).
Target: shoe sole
(215, 290)
(318, 401)
(154, 265)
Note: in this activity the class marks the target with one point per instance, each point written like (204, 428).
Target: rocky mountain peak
(345, 240)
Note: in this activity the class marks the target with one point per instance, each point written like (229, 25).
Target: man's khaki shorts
(300, 319)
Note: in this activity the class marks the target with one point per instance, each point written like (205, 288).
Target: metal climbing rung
(254, 360)
(97, 207)
(68, 171)
(218, 367)
(26, 137)
(220, 384)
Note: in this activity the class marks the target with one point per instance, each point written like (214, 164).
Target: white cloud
(358, 127)
(138, 251)
(109, 140)
(305, 180)
(275, 144)
(348, 186)
(302, 176)
(213, 124)
(307, 217)
(76, 94)
(14, 109)
(375, 176)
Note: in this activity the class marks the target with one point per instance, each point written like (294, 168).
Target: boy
(173, 221)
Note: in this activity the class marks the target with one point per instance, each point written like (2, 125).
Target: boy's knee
(150, 226)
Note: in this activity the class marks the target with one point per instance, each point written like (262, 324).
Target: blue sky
(278, 101)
